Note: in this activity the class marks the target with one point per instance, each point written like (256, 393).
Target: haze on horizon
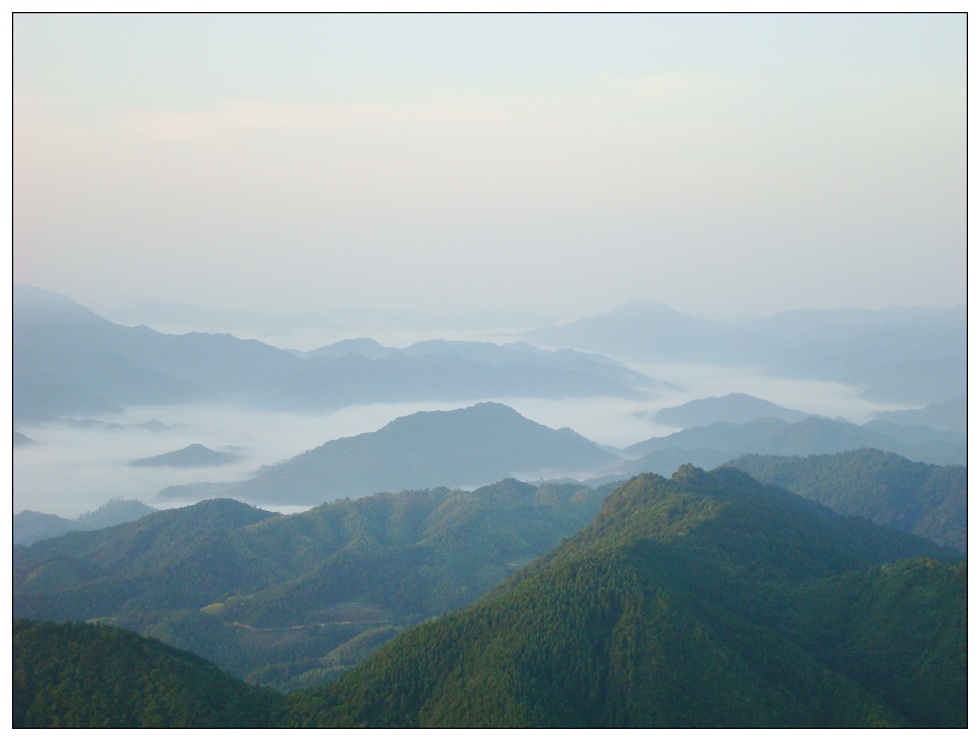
(556, 164)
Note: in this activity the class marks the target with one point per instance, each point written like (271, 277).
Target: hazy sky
(733, 164)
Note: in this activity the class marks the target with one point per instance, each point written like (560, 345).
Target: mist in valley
(72, 467)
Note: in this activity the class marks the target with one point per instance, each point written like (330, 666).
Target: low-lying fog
(73, 468)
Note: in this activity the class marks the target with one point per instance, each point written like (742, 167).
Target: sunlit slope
(703, 600)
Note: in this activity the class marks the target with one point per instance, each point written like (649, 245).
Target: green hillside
(289, 601)
(705, 600)
(90, 676)
(920, 498)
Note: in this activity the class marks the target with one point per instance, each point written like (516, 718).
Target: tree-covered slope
(93, 676)
(704, 600)
(920, 498)
(291, 600)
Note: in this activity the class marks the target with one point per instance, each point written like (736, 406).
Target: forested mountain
(711, 444)
(705, 600)
(69, 361)
(291, 600)
(463, 447)
(30, 526)
(927, 500)
(92, 676)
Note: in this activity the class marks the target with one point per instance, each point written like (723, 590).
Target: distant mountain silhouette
(734, 408)
(514, 353)
(948, 415)
(70, 362)
(192, 456)
(809, 436)
(916, 355)
(464, 447)
(30, 526)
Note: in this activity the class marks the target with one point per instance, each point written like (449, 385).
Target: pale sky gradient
(558, 164)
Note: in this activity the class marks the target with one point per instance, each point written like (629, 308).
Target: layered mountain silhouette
(949, 415)
(68, 362)
(704, 600)
(30, 526)
(464, 447)
(915, 355)
(714, 443)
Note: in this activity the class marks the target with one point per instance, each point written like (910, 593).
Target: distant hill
(464, 447)
(294, 600)
(927, 500)
(30, 526)
(734, 408)
(810, 436)
(948, 415)
(523, 353)
(705, 600)
(93, 676)
(646, 329)
(915, 355)
(192, 456)
(70, 362)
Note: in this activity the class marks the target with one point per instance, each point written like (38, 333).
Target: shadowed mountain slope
(92, 676)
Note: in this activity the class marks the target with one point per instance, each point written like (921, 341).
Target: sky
(726, 165)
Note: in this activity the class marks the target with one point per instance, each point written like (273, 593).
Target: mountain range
(477, 445)
(713, 443)
(907, 355)
(703, 600)
(292, 600)
(69, 361)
